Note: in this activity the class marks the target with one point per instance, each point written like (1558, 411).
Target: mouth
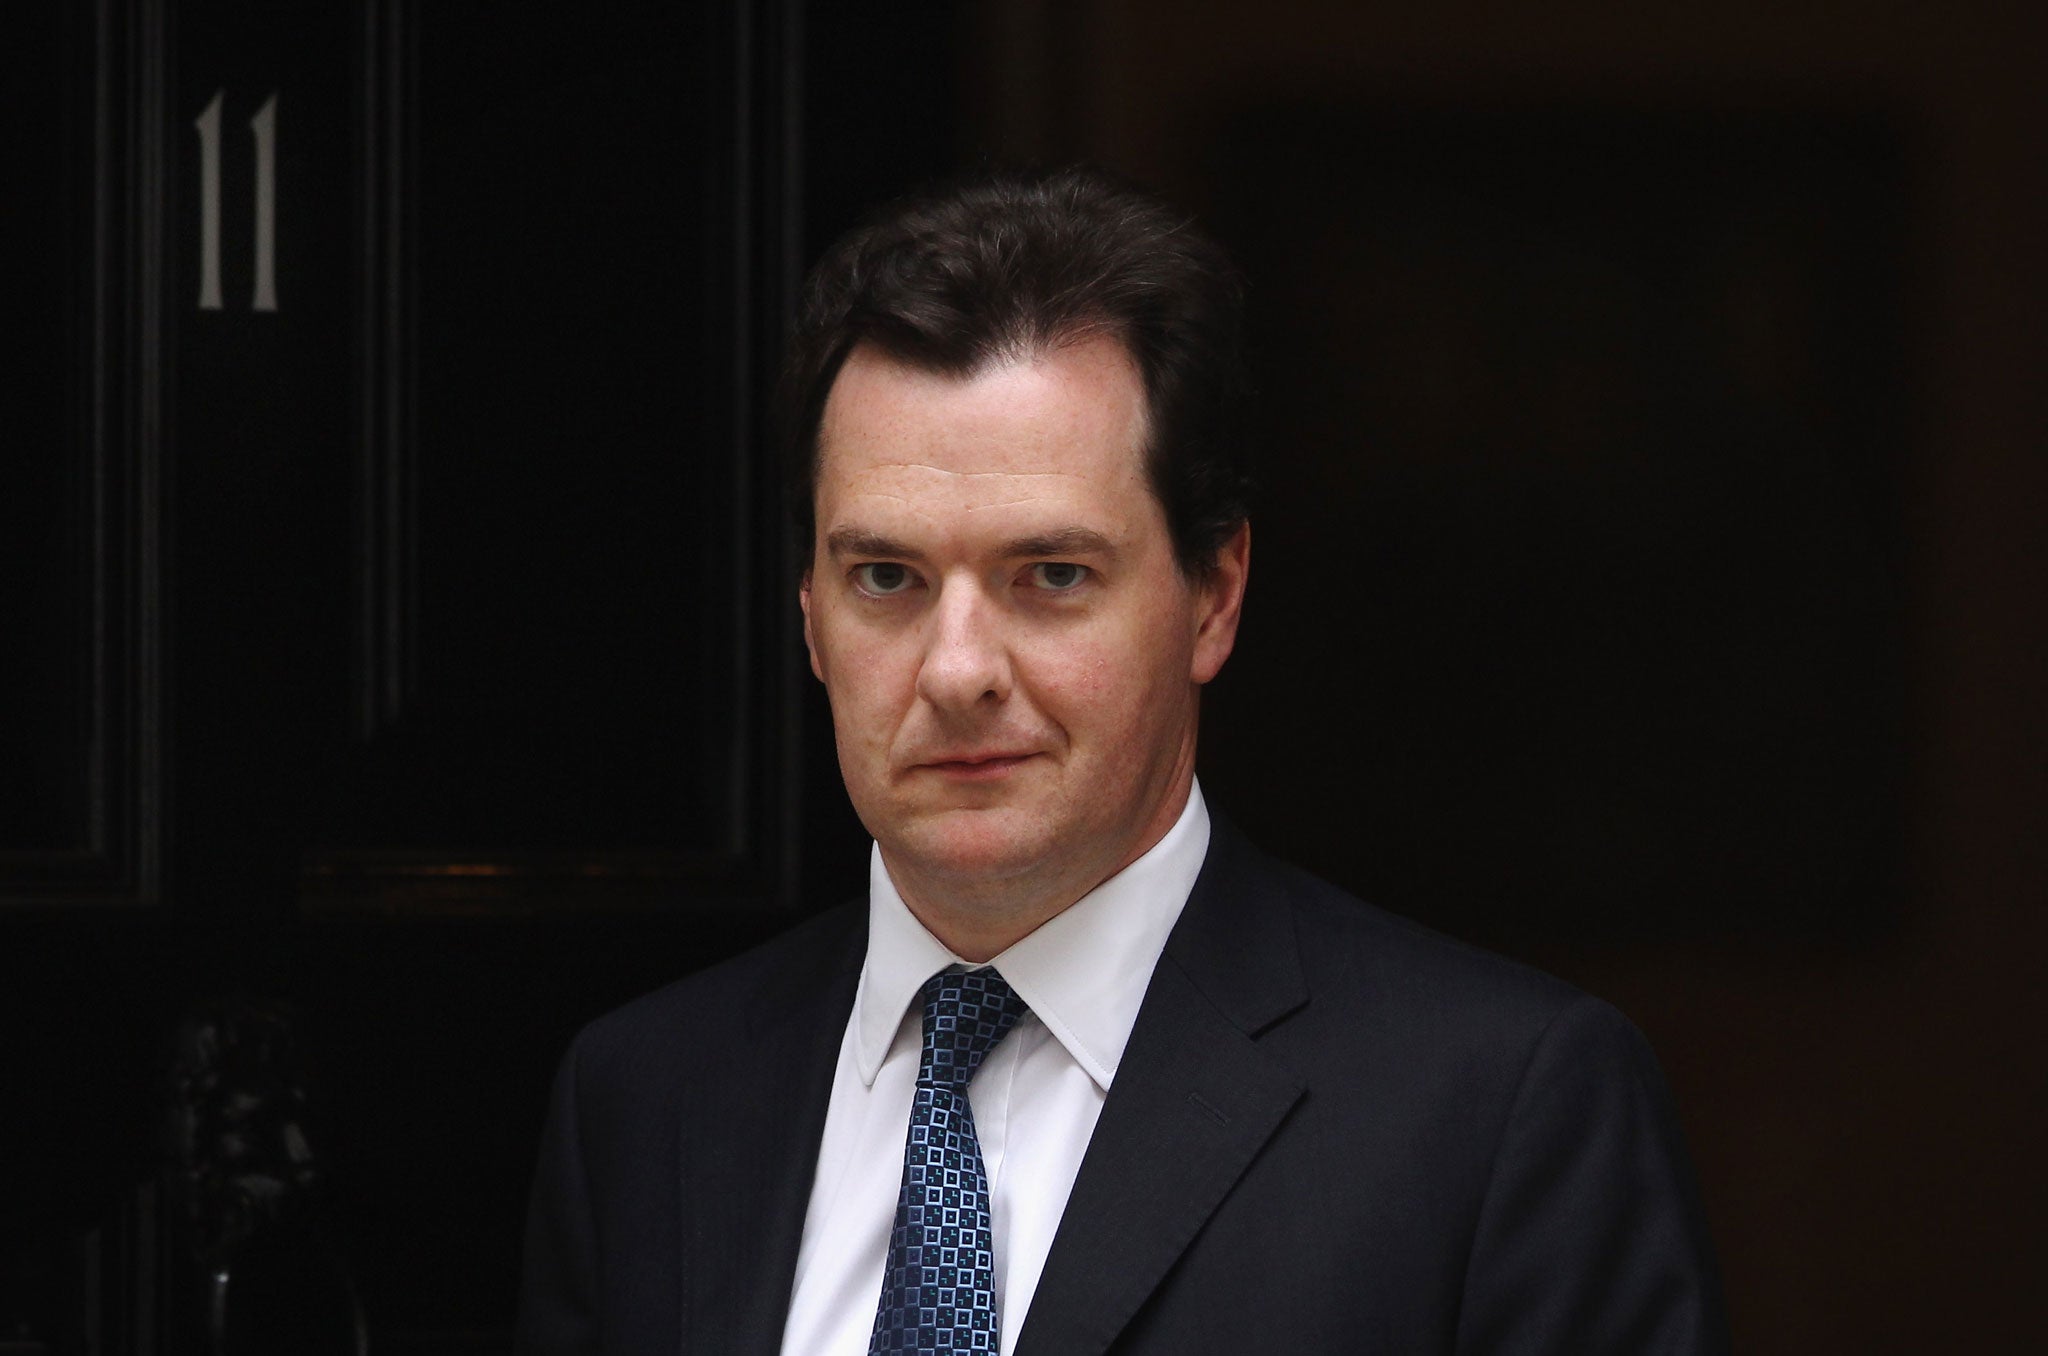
(975, 766)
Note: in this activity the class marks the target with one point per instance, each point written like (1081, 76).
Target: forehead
(1057, 432)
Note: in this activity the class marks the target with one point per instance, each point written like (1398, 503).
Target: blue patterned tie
(938, 1288)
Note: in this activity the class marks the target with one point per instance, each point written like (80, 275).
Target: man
(1087, 1072)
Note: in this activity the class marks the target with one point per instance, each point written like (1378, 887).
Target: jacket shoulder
(1382, 976)
(705, 1011)
(1405, 959)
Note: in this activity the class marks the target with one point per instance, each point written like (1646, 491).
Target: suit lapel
(746, 1165)
(1194, 1102)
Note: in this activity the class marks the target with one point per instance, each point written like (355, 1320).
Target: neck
(978, 936)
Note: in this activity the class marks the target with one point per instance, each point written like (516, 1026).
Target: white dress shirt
(1035, 1097)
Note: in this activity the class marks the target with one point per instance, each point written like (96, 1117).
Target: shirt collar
(1084, 972)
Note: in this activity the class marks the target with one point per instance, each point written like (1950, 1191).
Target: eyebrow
(1065, 541)
(859, 541)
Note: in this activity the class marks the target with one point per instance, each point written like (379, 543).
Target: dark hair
(1003, 265)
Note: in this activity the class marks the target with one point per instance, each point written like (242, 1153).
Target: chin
(980, 845)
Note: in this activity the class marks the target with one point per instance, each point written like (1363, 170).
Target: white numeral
(263, 128)
(208, 124)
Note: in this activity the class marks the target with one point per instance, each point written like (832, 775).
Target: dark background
(1648, 575)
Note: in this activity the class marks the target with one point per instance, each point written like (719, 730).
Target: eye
(882, 578)
(1058, 576)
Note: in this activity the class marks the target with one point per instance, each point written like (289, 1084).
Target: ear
(803, 600)
(1218, 600)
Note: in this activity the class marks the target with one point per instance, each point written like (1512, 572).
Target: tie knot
(965, 1014)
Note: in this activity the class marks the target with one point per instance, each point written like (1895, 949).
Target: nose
(966, 660)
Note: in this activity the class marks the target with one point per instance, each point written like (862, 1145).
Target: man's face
(993, 604)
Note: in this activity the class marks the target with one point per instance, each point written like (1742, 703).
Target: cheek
(867, 679)
(1117, 687)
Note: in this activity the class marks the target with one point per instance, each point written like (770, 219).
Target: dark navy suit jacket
(1332, 1131)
